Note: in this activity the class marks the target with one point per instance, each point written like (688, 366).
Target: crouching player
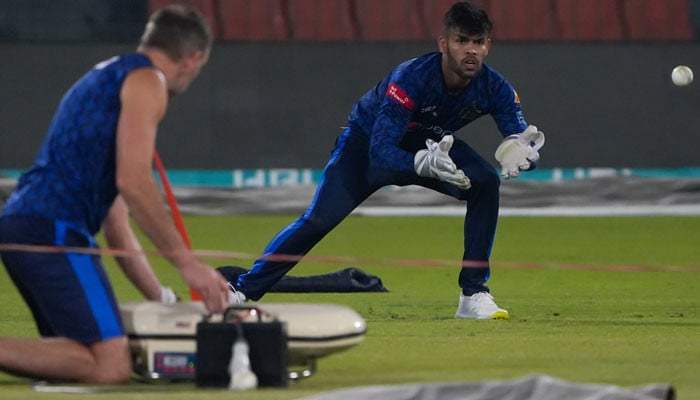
(402, 132)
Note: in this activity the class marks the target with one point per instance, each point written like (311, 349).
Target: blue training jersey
(73, 177)
(413, 98)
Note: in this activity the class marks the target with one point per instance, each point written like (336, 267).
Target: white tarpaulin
(535, 387)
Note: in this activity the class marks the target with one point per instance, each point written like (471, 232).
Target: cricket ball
(682, 75)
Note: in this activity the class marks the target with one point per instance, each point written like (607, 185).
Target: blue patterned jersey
(413, 99)
(73, 177)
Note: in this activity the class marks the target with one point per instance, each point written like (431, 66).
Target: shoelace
(236, 296)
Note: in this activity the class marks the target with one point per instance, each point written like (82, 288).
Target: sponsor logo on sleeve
(399, 96)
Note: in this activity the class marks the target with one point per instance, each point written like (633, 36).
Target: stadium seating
(390, 20)
(521, 20)
(416, 20)
(657, 20)
(253, 20)
(321, 20)
(590, 20)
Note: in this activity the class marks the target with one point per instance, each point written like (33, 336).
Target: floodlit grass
(597, 325)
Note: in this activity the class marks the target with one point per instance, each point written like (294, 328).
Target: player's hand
(519, 152)
(168, 296)
(210, 285)
(435, 162)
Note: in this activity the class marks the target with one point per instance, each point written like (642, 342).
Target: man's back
(72, 178)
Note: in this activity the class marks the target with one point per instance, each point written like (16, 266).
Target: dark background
(281, 103)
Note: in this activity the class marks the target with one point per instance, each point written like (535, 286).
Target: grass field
(592, 300)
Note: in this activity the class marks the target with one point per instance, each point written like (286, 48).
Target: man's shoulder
(490, 74)
(419, 72)
(124, 61)
(425, 62)
(491, 82)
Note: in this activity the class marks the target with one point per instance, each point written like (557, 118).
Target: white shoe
(235, 296)
(479, 306)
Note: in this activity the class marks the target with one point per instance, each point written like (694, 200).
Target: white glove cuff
(167, 296)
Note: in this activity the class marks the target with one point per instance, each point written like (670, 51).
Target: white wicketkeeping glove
(435, 162)
(517, 152)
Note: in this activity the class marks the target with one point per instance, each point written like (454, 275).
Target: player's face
(189, 68)
(463, 54)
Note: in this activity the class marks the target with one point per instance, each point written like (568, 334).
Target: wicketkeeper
(402, 132)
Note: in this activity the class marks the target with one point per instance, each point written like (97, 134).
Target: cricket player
(401, 132)
(92, 171)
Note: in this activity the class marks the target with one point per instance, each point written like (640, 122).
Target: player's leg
(479, 232)
(342, 187)
(481, 217)
(479, 228)
(73, 304)
(65, 360)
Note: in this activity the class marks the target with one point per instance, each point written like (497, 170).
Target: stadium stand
(254, 20)
(391, 19)
(413, 20)
(353, 20)
(598, 20)
(657, 20)
(521, 20)
(322, 20)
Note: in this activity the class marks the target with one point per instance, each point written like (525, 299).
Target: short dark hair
(464, 17)
(177, 30)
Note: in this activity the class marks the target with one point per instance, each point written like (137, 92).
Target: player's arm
(119, 235)
(390, 126)
(143, 103)
(507, 111)
(394, 114)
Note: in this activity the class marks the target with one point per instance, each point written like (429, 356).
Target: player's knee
(486, 180)
(493, 180)
(112, 373)
(112, 362)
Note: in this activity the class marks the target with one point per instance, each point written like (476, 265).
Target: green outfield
(592, 300)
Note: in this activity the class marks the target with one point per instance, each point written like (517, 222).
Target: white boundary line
(582, 211)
